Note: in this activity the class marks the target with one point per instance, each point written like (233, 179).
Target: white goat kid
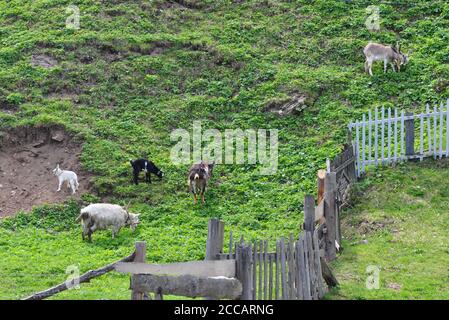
(375, 52)
(66, 176)
(100, 216)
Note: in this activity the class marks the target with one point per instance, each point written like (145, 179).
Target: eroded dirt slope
(27, 158)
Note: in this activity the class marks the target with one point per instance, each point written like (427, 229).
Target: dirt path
(27, 158)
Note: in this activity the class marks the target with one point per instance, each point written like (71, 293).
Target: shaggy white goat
(99, 216)
(66, 176)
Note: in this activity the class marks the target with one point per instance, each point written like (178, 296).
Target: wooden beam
(86, 277)
(244, 274)
(328, 276)
(319, 212)
(188, 286)
(225, 268)
(141, 249)
(215, 236)
(215, 239)
(330, 216)
(309, 213)
(320, 184)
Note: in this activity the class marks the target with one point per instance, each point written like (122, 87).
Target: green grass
(136, 70)
(402, 214)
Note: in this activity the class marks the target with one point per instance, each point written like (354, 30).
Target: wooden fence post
(330, 215)
(243, 270)
(320, 182)
(215, 238)
(309, 213)
(141, 249)
(409, 136)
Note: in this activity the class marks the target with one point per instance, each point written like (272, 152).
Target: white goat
(68, 176)
(374, 52)
(99, 216)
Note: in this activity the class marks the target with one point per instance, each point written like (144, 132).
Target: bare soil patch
(44, 61)
(286, 107)
(27, 158)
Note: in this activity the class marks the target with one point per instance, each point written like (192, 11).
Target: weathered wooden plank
(265, 270)
(188, 286)
(329, 214)
(207, 268)
(351, 166)
(283, 270)
(309, 212)
(141, 249)
(307, 289)
(319, 212)
(215, 237)
(254, 270)
(328, 276)
(243, 272)
(299, 270)
(291, 269)
(260, 289)
(278, 257)
(230, 245)
(320, 183)
(317, 264)
(270, 287)
(313, 275)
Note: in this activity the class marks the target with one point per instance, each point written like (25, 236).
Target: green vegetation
(136, 70)
(398, 223)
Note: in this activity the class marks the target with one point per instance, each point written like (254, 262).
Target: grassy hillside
(136, 70)
(398, 223)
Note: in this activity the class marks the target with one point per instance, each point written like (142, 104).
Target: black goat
(148, 167)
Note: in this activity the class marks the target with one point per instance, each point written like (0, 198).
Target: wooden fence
(291, 271)
(293, 268)
(389, 137)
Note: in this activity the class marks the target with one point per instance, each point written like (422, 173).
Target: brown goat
(199, 176)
